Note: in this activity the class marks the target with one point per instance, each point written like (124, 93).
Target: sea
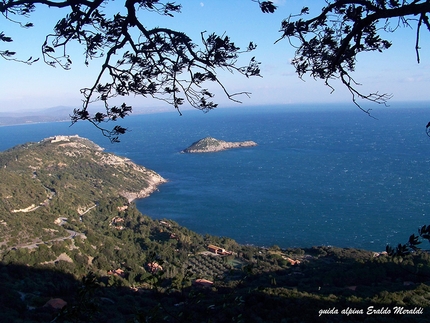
(320, 174)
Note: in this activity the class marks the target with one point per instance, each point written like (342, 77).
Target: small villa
(164, 223)
(55, 303)
(117, 272)
(117, 219)
(378, 254)
(174, 236)
(292, 261)
(218, 250)
(203, 282)
(122, 208)
(154, 267)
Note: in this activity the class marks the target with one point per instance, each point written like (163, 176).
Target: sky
(40, 86)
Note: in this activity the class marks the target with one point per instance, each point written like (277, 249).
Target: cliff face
(209, 144)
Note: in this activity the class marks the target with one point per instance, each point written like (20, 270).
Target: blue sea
(321, 175)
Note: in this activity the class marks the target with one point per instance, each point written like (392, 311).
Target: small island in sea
(209, 145)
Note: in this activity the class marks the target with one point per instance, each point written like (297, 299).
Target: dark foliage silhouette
(156, 62)
(412, 246)
(327, 44)
(167, 65)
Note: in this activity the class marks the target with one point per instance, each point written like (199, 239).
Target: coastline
(153, 187)
(297, 164)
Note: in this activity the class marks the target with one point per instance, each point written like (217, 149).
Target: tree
(167, 65)
(328, 43)
(161, 63)
(411, 246)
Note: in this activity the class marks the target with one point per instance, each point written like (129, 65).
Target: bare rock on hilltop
(209, 145)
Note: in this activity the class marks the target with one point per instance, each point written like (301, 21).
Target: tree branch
(151, 63)
(330, 41)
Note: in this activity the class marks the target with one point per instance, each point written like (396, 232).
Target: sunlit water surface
(316, 178)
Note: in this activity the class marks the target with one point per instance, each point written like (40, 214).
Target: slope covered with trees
(90, 247)
(63, 177)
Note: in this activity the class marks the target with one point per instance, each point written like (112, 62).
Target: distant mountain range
(54, 114)
(57, 114)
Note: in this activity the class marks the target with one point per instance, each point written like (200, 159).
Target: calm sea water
(316, 177)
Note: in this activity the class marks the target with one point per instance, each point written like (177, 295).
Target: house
(174, 236)
(117, 219)
(166, 224)
(55, 303)
(377, 254)
(218, 250)
(292, 261)
(117, 272)
(203, 283)
(122, 208)
(154, 267)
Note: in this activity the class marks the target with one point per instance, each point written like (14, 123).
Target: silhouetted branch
(160, 63)
(412, 245)
(330, 41)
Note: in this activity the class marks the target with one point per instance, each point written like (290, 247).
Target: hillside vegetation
(70, 233)
(63, 176)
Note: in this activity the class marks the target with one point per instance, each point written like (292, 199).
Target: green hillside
(70, 232)
(62, 177)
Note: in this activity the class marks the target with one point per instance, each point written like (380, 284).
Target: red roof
(56, 303)
(203, 282)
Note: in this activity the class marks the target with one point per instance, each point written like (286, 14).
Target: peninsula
(70, 166)
(209, 145)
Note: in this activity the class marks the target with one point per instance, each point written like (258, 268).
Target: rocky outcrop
(153, 182)
(209, 145)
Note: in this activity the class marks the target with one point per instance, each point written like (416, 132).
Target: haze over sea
(321, 177)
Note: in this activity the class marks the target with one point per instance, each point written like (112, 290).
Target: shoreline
(134, 196)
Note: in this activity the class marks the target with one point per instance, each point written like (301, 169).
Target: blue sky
(40, 86)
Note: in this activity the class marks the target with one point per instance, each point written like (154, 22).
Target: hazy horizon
(394, 71)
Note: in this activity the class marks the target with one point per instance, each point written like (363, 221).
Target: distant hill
(55, 114)
(58, 114)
